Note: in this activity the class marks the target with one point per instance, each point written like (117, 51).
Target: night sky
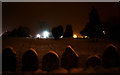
(74, 13)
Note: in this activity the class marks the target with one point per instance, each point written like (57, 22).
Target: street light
(38, 36)
(45, 34)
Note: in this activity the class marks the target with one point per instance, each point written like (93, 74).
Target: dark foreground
(84, 48)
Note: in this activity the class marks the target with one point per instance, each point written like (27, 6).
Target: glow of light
(85, 36)
(38, 36)
(74, 36)
(61, 36)
(45, 34)
(80, 36)
(104, 32)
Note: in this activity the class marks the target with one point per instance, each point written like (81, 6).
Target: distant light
(104, 32)
(80, 36)
(38, 36)
(74, 36)
(45, 34)
(86, 37)
(61, 36)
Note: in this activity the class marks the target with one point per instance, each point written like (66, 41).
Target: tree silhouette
(93, 28)
(14, 33)
(112, 28)
(57, 32)
(94, 16)
(19, 32)
(23, 31)
(68, 31)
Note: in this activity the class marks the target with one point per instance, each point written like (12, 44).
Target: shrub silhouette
(57, 32)
(68, 31)
(23, 31)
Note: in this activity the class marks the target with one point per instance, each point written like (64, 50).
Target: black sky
(75, 13)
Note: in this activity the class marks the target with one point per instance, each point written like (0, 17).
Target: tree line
(94, 28)
(18, 32)
(57, 32)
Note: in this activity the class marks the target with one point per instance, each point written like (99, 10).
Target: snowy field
(83, 47)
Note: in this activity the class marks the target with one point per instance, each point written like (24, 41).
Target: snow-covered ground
(84, 48)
